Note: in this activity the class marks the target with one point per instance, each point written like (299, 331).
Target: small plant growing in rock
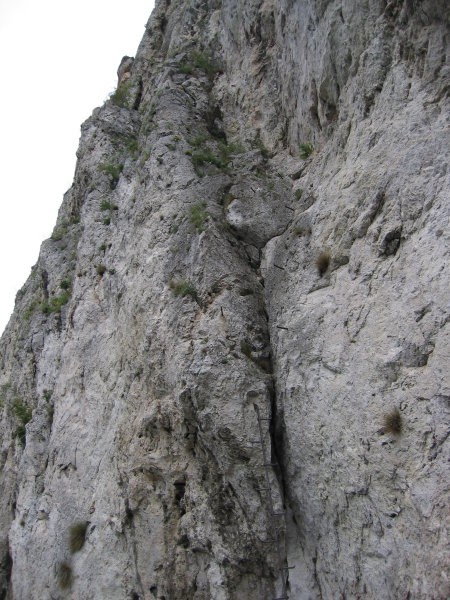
(65, 284)
(298, 230)
(101, 270)
(132, 145)
(184, 288)
(113, 170)
(392, 422)
(59, 233)
(23, 415)
(306, 150)
(120, 97)
(77, 536)
(64, 575)
(298, 194)
(54, 305)
(105, 205)
(323, 262)
(198, 216)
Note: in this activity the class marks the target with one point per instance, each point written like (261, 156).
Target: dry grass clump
(64, 575)
(392, 422)
(323, 262)
(77, 536)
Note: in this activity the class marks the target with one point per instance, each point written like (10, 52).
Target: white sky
(58, 61)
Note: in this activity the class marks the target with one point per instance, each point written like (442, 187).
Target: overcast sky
(58, 62)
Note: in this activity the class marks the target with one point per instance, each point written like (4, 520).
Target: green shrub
(105, 205)
(198, 60)
(65, 284)
(306, 150)
(23, 415)
(198, 140)
(132, 145)
(120, 97)
(101, 270)
(204, 62)
(205, 157)
(184, 288)
(59, 233)
(30, 310)
(64, 575)
(298, 194)
(53, 305)
(106, 221)
(198, 215)
(185, 68)
(77, 536)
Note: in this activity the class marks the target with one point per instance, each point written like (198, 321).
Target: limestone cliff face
(258, 226)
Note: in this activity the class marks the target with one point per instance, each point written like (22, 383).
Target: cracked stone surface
(200, 270)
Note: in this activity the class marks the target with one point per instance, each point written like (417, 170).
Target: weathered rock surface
(180, 294)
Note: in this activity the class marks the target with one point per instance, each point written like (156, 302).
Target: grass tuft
(392, 422)
(306, 150)
(198, 216)
(323, 262)
(77, 536)
(120, 97)
(64, 575)
(184, 288)
(54, 305)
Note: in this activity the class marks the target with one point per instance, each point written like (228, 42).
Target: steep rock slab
(203, 265)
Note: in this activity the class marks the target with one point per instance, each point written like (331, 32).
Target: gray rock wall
(258, 224)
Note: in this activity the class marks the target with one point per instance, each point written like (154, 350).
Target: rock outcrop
(257, 227)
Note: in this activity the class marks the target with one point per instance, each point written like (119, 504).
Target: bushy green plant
(23, 415)
(184, 288)
(101, 270)
(30, 310)
(120, 97)
(77, 536)
(132, 145)
(186, 68)
(54, 304)
(105, 205)
(59, 233)
(65, 284)
(205, 157)
(306, 150)
(198, 215)
(204, 62)
(198, 60)
(198, 140)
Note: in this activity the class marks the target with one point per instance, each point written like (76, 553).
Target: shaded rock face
(182, 295)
